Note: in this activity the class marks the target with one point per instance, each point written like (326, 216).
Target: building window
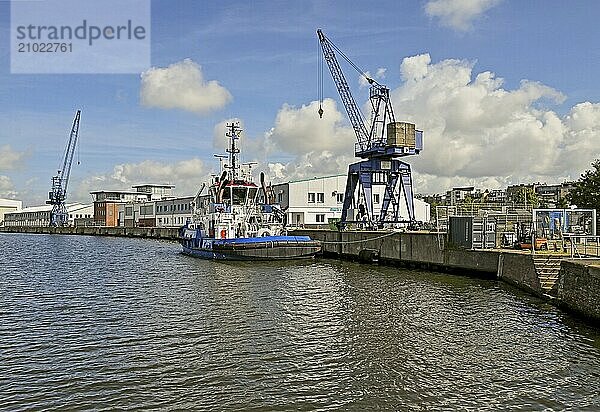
(320, 218)
(320, 197)
(340, 198)
(311, 198)
(376, 197)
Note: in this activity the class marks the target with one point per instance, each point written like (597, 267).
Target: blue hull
(258, 248)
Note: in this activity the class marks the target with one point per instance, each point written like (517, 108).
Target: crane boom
(68, 162)
(354, 114)
(58, 194)
(371, 138)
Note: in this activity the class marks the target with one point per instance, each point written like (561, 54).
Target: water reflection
(91, 322)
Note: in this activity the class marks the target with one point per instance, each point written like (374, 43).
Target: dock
(571, 284)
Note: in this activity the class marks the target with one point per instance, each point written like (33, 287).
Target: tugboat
(231, 224)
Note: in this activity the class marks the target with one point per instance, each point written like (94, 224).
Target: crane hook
(320, 112)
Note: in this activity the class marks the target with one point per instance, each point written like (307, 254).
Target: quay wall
(410, 249)
(519, 270)
(578, 284)
(141, 232)
(579, 287)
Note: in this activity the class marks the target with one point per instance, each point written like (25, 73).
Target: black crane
(58, 194)
(380, 144)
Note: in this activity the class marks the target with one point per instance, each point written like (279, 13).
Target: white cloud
(300, 130)
(7, 189)
(362, 80)
(311, 164)
(182, 86)
(320, 146)
(458, 14)
(186, 175)
(379, 75)
(11, 159)
(476, 131)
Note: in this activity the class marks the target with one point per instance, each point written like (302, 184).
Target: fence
(582, 246)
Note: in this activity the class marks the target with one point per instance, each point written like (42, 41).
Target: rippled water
(109, 323)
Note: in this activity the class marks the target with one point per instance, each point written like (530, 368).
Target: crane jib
(58, 194)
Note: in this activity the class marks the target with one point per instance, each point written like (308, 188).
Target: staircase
(547, 269)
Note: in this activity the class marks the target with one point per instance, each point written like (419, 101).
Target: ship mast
(234, 131)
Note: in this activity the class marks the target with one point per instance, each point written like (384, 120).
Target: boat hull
(260, 248)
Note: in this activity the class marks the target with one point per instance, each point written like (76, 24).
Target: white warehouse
(7, 206)
(318, 201)
(40, 215)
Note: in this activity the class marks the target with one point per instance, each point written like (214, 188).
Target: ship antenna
(233, 134)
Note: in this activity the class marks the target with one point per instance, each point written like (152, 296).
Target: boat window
(239, 195)
(252, 193)
(226, 195)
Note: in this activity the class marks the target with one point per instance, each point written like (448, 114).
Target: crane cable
(320, 70)
(320, 79)
(358, 69)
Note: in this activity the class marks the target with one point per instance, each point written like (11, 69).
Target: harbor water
(114, 323)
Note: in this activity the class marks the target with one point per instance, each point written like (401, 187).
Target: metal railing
(582, 246)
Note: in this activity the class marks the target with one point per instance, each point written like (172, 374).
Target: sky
(505, 91)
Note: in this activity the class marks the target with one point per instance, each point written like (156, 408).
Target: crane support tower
(379, 143)
(58, 194)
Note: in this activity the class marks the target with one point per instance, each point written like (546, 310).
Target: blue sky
(264, 53)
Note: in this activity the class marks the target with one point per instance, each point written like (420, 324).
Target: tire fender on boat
(264, 233)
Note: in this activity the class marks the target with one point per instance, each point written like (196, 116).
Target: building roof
(11, 203)
(125, 192)
(165, 185)
(173, 199)
(312, 178)
(71, 207)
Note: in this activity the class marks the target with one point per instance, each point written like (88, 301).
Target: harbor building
(109, 203)
(553, 196)
(318, 202)
(460, 194)
(40, 215)
(9, 205)
(155, 191)
(315, 202)
(495, 196)
(170, 212)
(106, 205)
(173, 212)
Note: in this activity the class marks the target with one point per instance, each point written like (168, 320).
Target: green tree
(563, 203)
(526, 196)
(586, 193)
